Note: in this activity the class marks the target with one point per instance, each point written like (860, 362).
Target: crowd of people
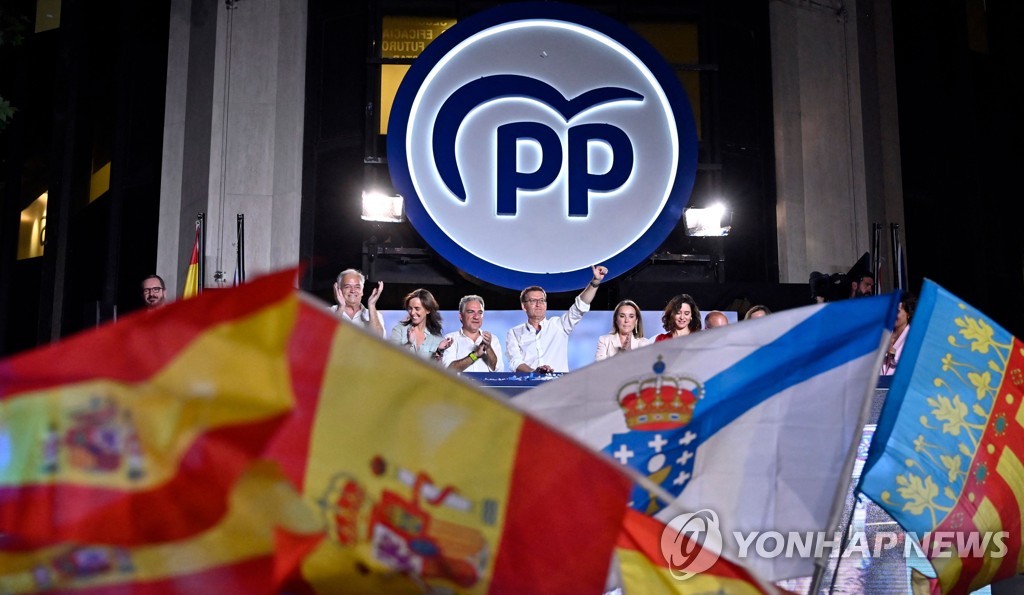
(541, 344)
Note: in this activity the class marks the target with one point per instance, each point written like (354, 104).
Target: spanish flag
(653, 558)
(422, 481)
(247, 441)
(193, 284)
(236, 555)
(136, 433)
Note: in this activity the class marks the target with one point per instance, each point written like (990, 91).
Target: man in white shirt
(542, 344)
(348, 292)
(472, 349)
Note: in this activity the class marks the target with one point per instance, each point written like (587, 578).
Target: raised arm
(590, 290)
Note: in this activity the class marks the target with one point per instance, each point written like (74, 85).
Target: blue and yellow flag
(946, 457)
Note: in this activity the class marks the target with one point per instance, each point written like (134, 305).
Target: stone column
(233, 135)
(836, 141)
(821, 205)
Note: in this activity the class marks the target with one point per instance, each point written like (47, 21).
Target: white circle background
(542, 238)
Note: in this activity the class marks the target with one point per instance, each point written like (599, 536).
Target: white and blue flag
(758, 421)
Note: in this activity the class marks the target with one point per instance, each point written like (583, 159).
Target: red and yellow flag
(128, 462)
(422, 480)
(644, 568)
(192, 281)
(236, 555)
(136, 433)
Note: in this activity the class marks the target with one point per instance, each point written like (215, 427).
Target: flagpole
(819, 569)
(240, 251)
(898, 271)
(202, 252)
(876, 251)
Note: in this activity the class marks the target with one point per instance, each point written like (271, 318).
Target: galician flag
(757, 421)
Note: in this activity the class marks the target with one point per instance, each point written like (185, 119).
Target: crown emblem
(659, 402)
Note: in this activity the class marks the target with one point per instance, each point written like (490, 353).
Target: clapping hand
(374, 295)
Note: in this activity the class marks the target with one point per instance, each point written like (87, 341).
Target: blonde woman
(627, 331)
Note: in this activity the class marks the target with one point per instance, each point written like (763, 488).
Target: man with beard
(153, 292)
(861, 279)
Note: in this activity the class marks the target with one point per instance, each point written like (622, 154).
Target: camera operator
(858, 282)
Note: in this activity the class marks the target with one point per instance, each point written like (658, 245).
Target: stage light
(707, 222)
(382, 208)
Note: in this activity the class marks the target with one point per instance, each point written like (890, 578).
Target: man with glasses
(348, 292)
(153, 291)
(541, 344)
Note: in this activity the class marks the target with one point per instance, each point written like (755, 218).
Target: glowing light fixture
(380, 207)
(707, 222)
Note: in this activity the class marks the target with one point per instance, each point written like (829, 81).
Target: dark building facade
(105, 96)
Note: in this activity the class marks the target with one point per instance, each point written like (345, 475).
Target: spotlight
(380, 207)
(707, 222)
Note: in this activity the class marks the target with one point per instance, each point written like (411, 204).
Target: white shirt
(461, 347)
(362, 318)
(550, 345)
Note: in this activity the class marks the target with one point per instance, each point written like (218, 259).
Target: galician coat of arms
(660, 442)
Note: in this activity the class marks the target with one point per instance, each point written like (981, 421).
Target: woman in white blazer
(627, 331)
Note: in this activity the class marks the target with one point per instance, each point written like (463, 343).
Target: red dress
(663, 337)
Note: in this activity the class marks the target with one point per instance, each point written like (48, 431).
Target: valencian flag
(424, 482)
(656, 558)
(946, 458)
(135, 434)
(758, 422)
(193, 284)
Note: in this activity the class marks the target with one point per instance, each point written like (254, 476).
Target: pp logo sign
(532, 141)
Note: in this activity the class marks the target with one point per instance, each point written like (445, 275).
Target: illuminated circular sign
(534, 140)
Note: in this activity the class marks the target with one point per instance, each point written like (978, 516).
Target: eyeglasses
(535, 301)
(149, 290)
